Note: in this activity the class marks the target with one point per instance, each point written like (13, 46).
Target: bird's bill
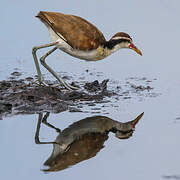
(135, 121)
(133, 47)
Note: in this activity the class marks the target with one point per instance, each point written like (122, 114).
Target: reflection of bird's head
(125, 130)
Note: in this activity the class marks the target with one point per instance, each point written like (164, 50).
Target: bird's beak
(133, 47)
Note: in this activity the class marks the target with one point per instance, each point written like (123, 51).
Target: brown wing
(78, 32)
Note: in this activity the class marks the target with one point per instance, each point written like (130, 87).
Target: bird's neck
(114, 45)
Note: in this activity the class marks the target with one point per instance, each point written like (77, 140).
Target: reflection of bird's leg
(44, 120)
(40, 118)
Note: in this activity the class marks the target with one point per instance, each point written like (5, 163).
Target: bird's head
(121, 40)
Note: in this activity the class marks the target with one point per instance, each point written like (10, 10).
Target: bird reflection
(83, 139)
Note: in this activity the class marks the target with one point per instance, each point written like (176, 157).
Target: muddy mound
(22, 97)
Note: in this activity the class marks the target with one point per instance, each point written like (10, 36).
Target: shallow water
(153, 150)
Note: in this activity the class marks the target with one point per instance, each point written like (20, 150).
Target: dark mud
(19, 96)
(24, 96)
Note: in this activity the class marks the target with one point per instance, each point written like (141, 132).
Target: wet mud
(25, 96)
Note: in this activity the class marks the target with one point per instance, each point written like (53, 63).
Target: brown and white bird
(79, 38)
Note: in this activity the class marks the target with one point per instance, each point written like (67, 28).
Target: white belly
(92, 55)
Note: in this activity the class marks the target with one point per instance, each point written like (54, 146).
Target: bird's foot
(70, 87)
(66, 85)
(40, 82)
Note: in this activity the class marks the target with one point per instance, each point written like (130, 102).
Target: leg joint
(34, 49)
(42, 59)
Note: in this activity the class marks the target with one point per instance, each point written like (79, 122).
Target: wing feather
(79, 33)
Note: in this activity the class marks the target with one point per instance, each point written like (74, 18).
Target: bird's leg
(44, 120)
(37, 141)
(40, 77)
(42, 60)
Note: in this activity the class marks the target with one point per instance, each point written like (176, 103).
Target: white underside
(61, 44)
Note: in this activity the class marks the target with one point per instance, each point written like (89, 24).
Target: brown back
(78, 32)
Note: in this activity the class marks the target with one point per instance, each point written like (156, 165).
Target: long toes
(66, 85)
(72, 87)
(42, 83)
